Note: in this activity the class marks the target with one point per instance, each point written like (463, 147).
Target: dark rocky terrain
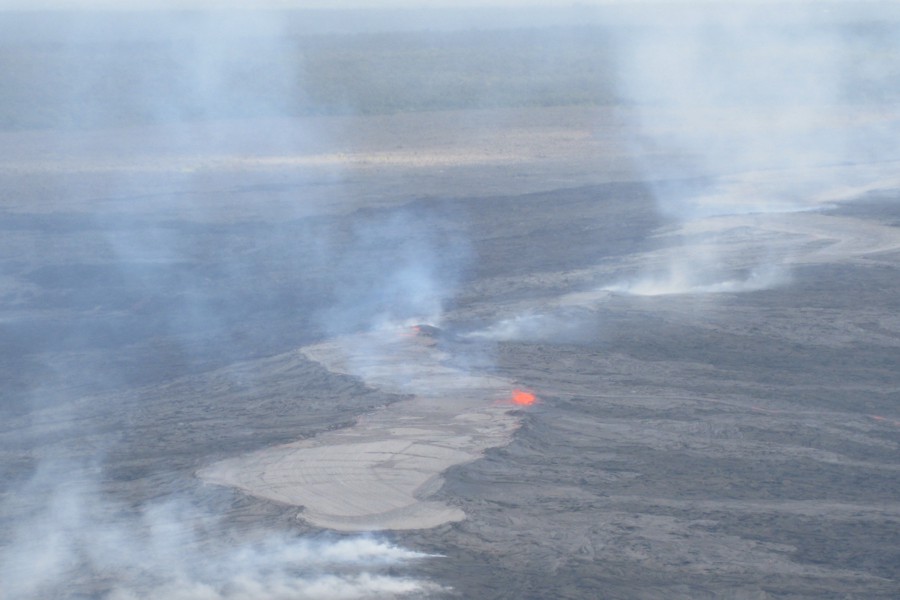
(729, 445)
(726, 434)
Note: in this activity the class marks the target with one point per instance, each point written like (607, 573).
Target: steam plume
(745, 113)
(80, 544)
(67, 537)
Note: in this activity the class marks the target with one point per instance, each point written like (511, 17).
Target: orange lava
(523, 398)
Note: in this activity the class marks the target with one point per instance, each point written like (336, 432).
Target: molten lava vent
(523, 398)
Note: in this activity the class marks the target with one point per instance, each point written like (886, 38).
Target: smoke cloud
(170, 249)
(741, 119)
(557, 322)
(742, 112)
(78, 543)
(398, 269)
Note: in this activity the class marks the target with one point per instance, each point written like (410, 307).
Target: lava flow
(523, 398)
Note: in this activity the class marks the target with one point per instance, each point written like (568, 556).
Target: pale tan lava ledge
(379, 473)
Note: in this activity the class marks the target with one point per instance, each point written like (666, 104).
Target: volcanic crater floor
(712, 435)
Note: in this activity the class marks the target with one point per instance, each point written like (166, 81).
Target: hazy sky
(128, 4)
(246, 4)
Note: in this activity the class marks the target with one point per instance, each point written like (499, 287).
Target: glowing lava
(523, 398)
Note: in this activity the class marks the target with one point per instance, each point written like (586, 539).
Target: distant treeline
(83, 83)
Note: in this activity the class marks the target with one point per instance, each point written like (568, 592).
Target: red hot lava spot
(523, 398)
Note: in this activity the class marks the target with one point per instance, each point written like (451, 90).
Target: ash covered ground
(714, 349)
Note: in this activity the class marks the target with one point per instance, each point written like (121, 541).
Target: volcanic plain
(717, 395)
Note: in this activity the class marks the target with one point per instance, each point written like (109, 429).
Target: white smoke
(742, 112)
(81, 544)
(698, 273)
(193, 90)
(740, 118)
(392, 270)
(557, 322)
